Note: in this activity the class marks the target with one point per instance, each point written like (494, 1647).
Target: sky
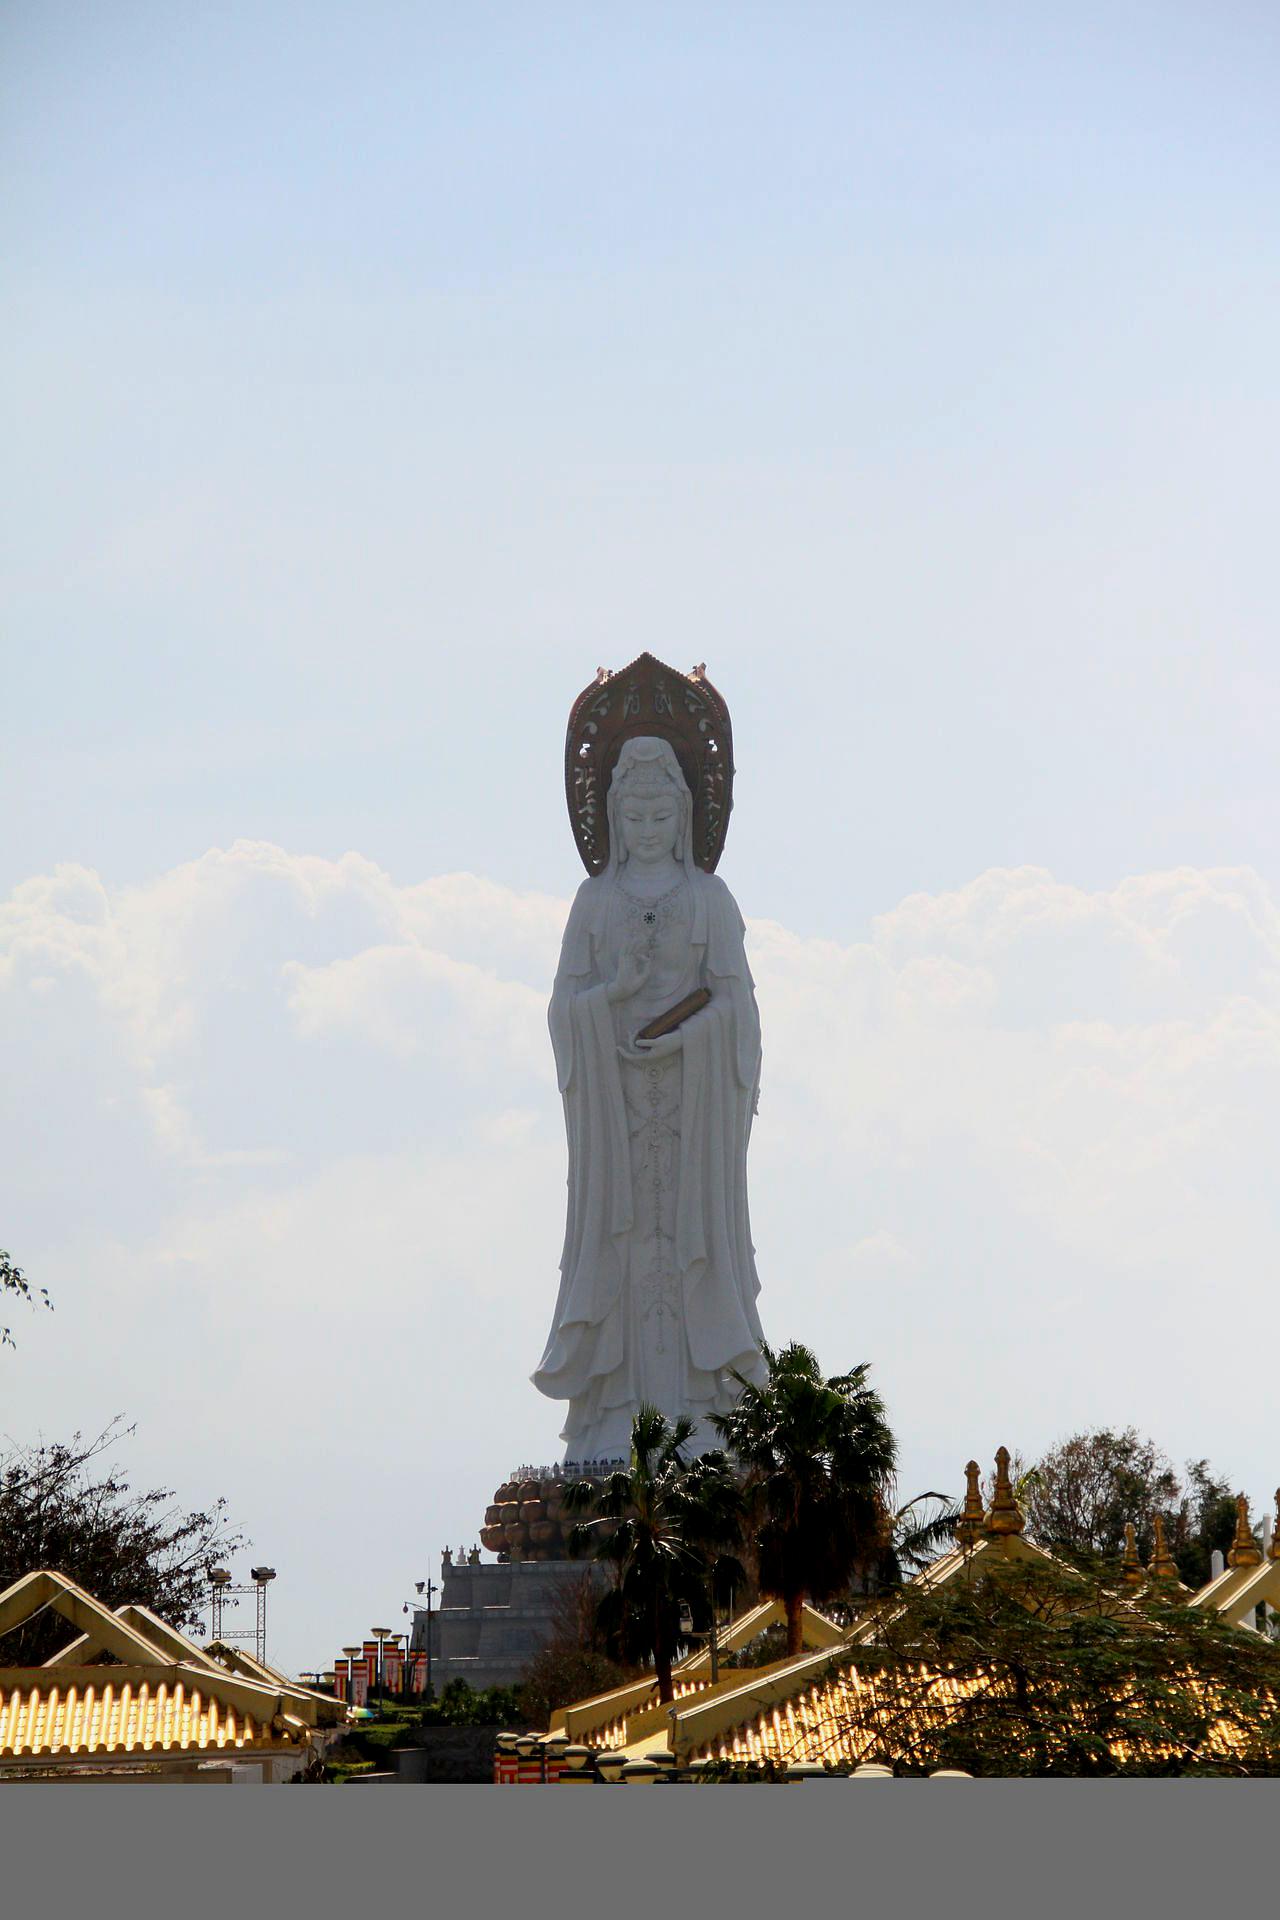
(373, 375)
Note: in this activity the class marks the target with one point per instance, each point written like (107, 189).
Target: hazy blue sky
(371, 375)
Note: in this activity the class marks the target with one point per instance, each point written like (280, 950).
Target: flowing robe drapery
(602, 1355)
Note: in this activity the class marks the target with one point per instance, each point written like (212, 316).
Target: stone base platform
(492, 1619)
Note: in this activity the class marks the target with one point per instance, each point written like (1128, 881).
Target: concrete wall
(493, 1618)
(449, 1756)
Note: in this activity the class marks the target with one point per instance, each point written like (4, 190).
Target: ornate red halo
(649, 698)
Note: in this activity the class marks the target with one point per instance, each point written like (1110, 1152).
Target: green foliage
(368, 1746)
(1064, 1675)
(1204, 1520)
(59, 1509)
(819, 1460)
(663, 1526)
(14, 1280)
(463, 1706)
(915, 1536)
(1080, 1494)
(376, 1740)
(767, 1647)
(341, 1764)
(559, 1675)
(743, 1773)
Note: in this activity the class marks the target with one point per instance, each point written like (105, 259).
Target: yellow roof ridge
(168, 1642)
(33, 1592)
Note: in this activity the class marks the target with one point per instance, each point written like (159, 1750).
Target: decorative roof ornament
(969, 1525)
(1163, 1565)
(1005, 1516)
(1130, 1566)
(649, 698)
(1244, 1551)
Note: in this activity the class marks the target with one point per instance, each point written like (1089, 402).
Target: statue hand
(633, 971)
(646, 1050)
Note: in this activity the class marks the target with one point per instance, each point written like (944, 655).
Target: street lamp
(351, 1653)
(381, 1635)
(427, 1587)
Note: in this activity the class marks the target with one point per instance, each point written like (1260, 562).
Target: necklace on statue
(653, 915)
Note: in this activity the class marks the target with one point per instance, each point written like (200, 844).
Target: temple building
(833, 1706)
(133, 1699)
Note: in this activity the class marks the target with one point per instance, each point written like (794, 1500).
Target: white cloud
(289, 1130)
(413, 1000)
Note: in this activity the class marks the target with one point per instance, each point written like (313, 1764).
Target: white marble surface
(658, 1281)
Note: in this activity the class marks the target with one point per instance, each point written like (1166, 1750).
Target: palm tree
(913, 1537)
(659, 1524)
(819, 1458)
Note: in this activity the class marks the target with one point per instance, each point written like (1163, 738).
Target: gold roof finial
(1163, 1565)
(1005, 1516)
(1275, 1532)
(1244, 1548)
(1130, 1565)
(969, 1525)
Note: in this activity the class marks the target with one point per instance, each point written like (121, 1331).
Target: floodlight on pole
(220, 1587)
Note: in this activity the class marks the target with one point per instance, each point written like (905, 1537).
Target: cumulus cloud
(295, 1121)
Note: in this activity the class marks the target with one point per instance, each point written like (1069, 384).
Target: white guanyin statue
(658, 1280)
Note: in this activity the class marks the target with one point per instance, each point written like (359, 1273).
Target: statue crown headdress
(651, 700)
(646, 775)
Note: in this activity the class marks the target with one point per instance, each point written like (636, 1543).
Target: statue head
(650, 806)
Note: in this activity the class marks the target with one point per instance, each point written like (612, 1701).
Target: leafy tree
(62, 1509)
(1079, 1495)
(818, 1457)
(463, 1706)
(1061, 1673)
(14, 1280)
(1204, 1519)
(663, 1525)
(558, 1675)
(578, 1658)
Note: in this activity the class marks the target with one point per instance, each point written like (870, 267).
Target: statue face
(650, 825)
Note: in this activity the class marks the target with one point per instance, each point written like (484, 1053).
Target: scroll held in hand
(676, 1016)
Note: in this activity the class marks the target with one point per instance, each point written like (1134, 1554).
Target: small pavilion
(132, 1698)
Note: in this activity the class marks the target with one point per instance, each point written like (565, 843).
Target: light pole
(381, 1635)
(351, 1653)
(427, 1587)
(222, 1587)
(262, 1578)
(219, 1579)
